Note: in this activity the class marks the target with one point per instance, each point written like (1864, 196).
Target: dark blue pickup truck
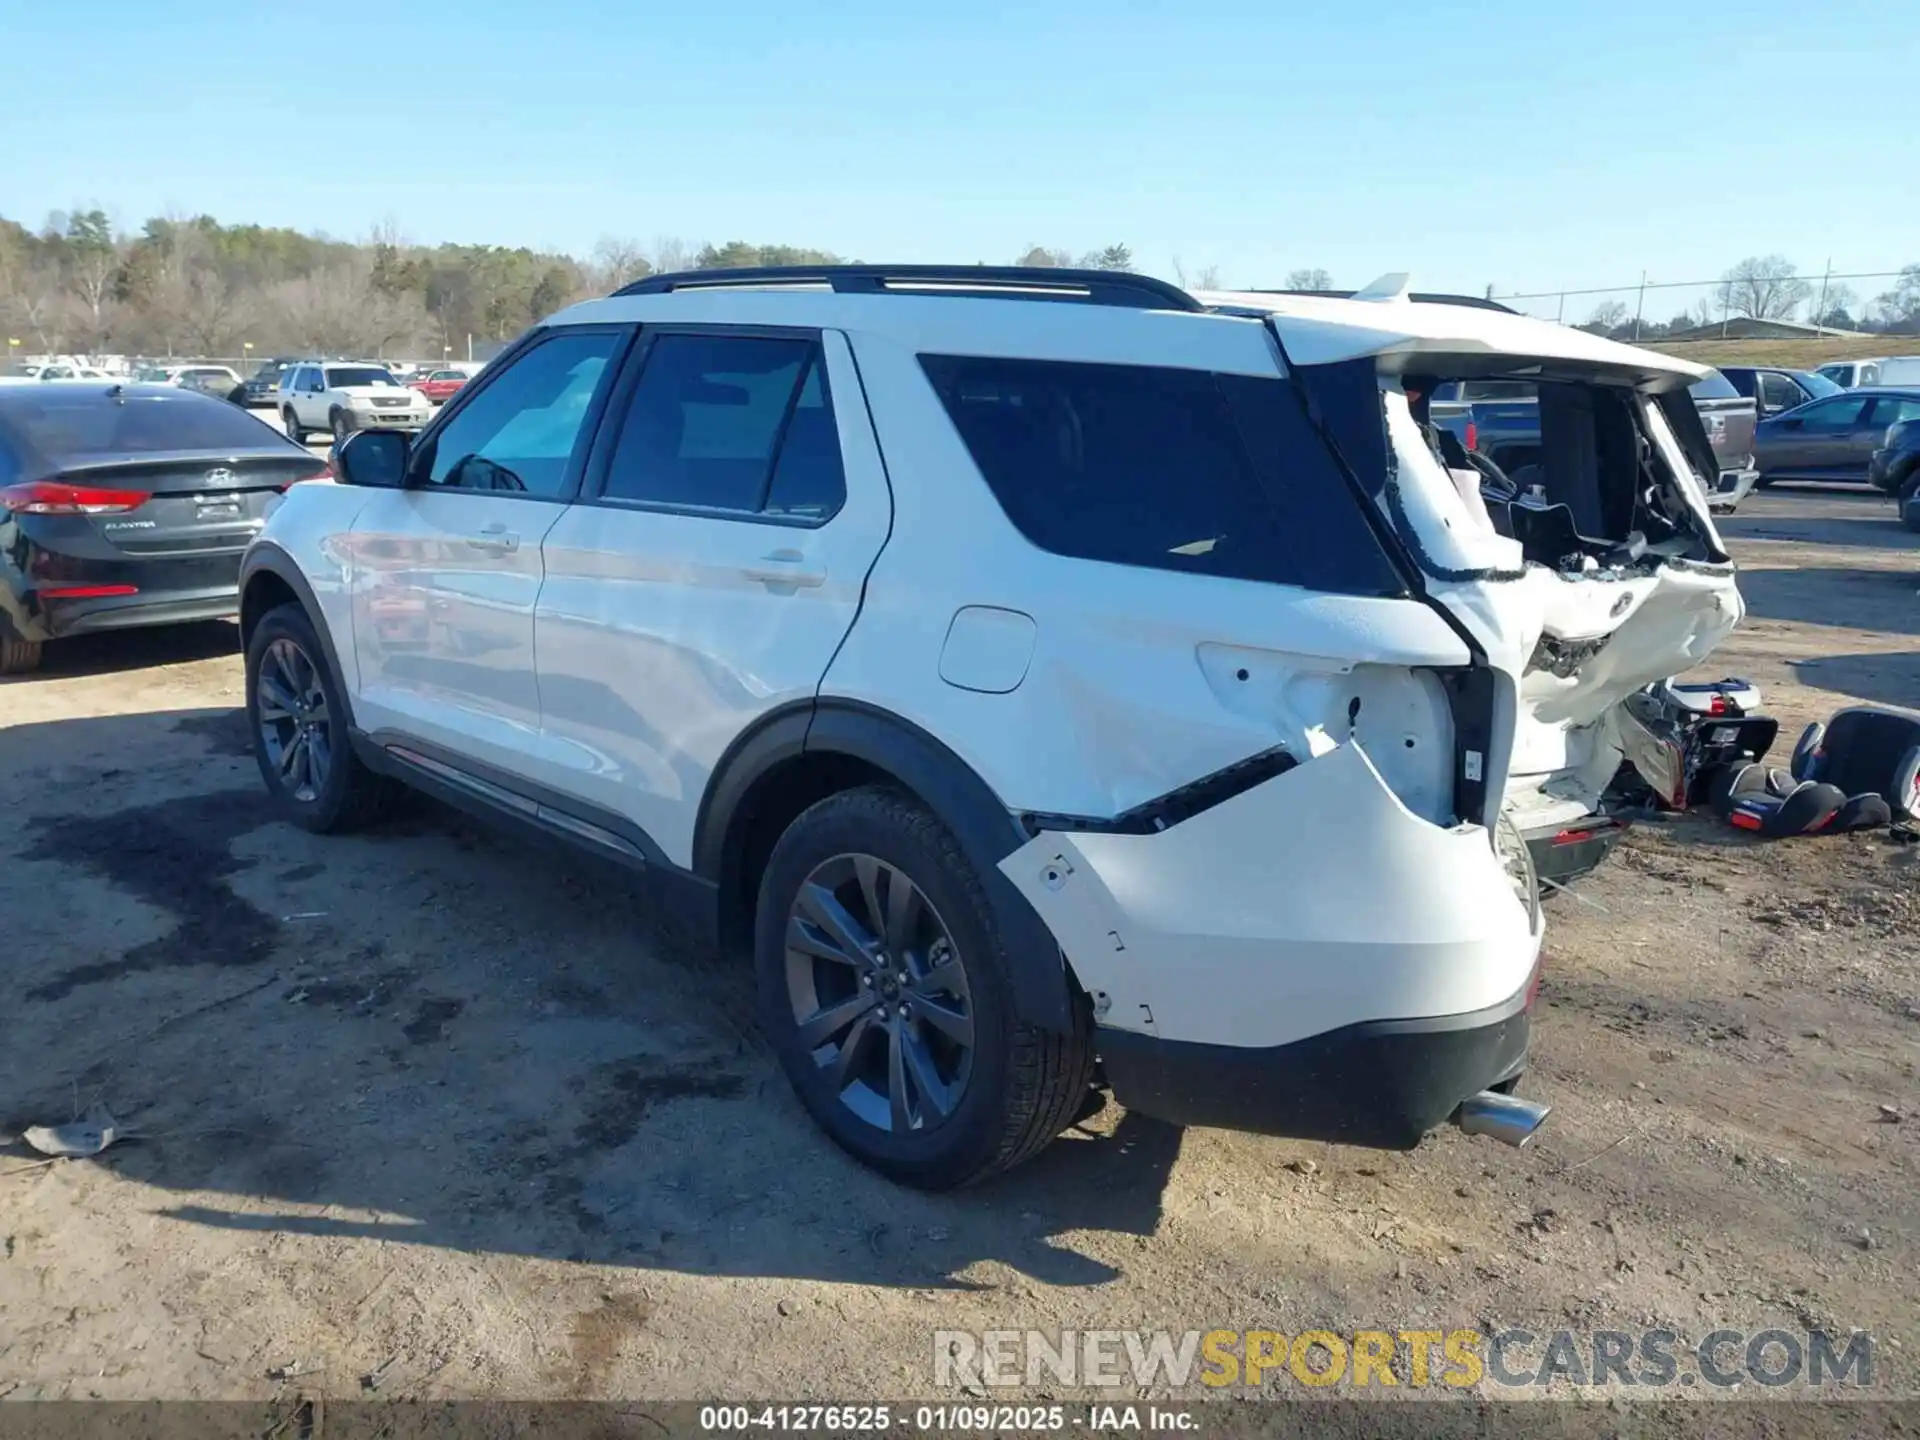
(1501, 419)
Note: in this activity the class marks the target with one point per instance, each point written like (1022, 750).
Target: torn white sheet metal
(1311, 901)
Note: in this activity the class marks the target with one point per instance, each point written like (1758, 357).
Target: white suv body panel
(1130, 676)
(662, 638)
(443, 590)
(1248, 924)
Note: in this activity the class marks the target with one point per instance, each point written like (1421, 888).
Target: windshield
(1714, 386)
(1815, 385)
(340, 376)
(87, 422)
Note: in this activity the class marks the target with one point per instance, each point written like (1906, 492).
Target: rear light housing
(1473, 435)
(326, 474)
(49, 497)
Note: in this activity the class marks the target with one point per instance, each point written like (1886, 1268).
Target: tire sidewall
(289, 622)
(965, 1141)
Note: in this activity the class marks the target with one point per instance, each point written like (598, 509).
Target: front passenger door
(446, 570)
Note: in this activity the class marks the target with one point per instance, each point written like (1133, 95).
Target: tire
(1015, 1087)
(295, 431)
(337, 423)
(332, 791)
(19, 657)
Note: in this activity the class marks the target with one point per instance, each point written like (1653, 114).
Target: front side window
(520, 432)
(735, 423)
(1841, 413)
(1167, 469)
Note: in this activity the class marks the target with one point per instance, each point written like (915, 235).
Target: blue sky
(1528, 144)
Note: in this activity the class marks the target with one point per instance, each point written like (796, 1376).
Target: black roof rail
(1472, 302)
(1003, 282)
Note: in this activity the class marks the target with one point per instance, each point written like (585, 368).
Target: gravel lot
(440, 1100)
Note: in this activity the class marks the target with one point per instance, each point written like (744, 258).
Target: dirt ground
(440, 1101)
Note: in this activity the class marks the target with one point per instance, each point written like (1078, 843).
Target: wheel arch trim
(986, 830)
(266, 557)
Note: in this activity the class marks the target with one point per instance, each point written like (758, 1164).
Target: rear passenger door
(733, 505)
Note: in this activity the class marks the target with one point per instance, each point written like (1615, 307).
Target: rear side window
(1168, 469)
(731, 423)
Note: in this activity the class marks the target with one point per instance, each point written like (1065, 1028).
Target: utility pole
(1640, 307)
(1560, 315)
(1820, 310)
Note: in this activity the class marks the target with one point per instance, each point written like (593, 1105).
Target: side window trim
(420, 459)
(619, 401)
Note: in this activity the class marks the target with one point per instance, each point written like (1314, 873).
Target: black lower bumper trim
(1382, 1084)
(1563, 856)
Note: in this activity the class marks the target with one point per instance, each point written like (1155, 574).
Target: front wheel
(341, 429)
(885, 989)
(300, 733)
(296, 432)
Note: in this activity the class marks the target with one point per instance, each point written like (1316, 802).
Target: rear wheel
(299, 727)
(19, 657)
(885, 988)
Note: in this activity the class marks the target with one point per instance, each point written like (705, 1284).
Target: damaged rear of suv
(1056, 679)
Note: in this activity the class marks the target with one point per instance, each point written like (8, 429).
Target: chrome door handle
(496, 540)
(783, 567)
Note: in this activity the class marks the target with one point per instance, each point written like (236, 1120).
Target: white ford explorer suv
(1050, 679)
(344, 398)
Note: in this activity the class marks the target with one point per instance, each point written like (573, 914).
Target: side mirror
(374, 458)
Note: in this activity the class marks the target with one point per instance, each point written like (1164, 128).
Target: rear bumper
(1733, 487)
(1383, 1084)
(1242, 961)
(166, 592)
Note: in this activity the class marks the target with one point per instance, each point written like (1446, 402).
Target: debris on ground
(75, 1141)
(294, 1369)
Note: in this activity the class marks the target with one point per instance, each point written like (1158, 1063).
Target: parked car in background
(1730, 418)
(215, 380)
(1881, 370)
(1833, 439)
(341, 398)
(1895, 465)
(1500, 419)
(1774, 388)
(263, 386)
(439, 386)
(54, 371)
(125, 505)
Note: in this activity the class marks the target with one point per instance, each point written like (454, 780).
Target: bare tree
(1763, 287)
(1043, 258)
(671, 253)
(616, 262)
(1607, 317)
(1207, 277)
(1313, 279)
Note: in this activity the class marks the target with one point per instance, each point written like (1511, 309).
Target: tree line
(1771, 287)
(197, 287)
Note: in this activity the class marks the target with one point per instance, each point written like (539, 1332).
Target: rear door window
(1167, 469)
(732, 423)
(1777, 392)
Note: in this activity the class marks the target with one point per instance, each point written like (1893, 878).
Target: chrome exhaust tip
(1507, 1118)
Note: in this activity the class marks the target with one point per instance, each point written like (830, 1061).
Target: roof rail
(1472, 302)
(1001, 282)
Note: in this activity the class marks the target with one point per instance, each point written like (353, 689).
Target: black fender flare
(985, 829)
(265, 556)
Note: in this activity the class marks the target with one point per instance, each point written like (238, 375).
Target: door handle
(495, 540)
(783, 567)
